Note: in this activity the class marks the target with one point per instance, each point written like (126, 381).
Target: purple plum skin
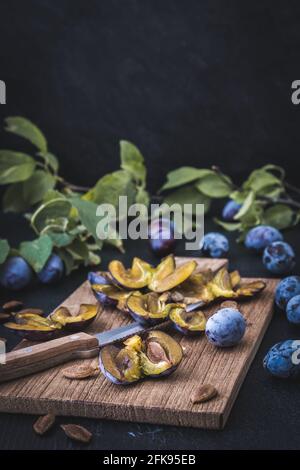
(283, 359)
(15, 273)
(258, 238)
(98, 278)
(52, 271)
(162, 237)
(279, 258)
(215, 244)
(287, 288)
(230, 209)
(111, 377)
(225, 328)
(293, 310)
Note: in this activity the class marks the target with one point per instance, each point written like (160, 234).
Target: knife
(45, 355)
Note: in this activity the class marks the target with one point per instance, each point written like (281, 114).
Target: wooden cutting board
(161, 401)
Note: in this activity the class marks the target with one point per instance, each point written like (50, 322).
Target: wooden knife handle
(45, 355)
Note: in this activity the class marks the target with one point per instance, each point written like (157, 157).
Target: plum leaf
(26, 129)
(37, 252)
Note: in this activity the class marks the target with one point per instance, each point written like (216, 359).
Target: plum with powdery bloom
(215, 244)
(283, 359)
(279, 258)
(286, 289)
(225, 328)
(258, 238)
(293, 310)
(52, 271)
(15, 273)
(230, 209)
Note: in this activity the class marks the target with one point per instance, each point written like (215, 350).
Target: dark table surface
(265, 414)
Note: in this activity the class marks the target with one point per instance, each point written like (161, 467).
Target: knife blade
(80, 345)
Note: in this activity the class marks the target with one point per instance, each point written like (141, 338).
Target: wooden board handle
(45, 355)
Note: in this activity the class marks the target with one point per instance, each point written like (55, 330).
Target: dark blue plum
(215, 245)
(279, 258)
(15, 273)
(162, 237)
(293, 310)
(283, 359)
(261, 236)
(230, 209)
(225, 328)
(286, 289)
(52, 271)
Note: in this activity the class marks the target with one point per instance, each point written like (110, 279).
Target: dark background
(190, 82)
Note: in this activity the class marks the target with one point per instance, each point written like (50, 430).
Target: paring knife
(57, 351)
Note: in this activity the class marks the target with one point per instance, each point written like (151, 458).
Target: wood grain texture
(164, 401)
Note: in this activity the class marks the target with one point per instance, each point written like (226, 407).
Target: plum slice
(85, 316)
(188, 323)
(137, 277)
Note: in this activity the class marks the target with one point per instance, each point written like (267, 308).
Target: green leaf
(132, 161)
(4, 250)
(50, 160)
(188, 195)
(280, 216)
(111, 186)
(94, 259)
(67, 259)
(35, 188)
(229, 226)
(142, 196)
(37, 252)
(183, 175)
(239, 196)
(49, 212)
(275, 169)
(87, 214)
(60, 239)
(19, 197)
(25, 128)
(261, 179)
(246, 206)
(15, 166)
(13, 199)
(215, 185)
(79, 250)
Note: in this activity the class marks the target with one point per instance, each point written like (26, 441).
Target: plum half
(155, 354)
(34, 327)
(188, 323)
(110, 296)
(85, 316)
(149, 309)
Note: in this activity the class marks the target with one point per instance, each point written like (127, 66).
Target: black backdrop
(189, 81)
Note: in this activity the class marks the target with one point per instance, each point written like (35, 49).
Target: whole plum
(293, 310)
(15, 273)
(215, 244)
(230, 209)
(225, 328)
(261, 236)
(279, 257)
(162, 237)
(283, 359)
(286, 289)
(52, 271)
